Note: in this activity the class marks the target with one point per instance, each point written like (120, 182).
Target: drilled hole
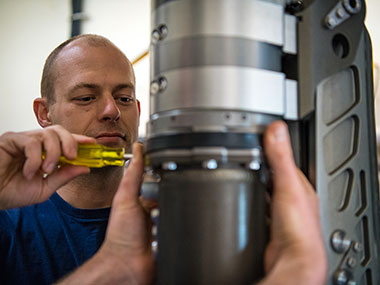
(341, 46)
(353, 4)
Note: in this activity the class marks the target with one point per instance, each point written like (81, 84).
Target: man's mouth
(110, 137)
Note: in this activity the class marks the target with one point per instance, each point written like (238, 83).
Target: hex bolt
(339, 243)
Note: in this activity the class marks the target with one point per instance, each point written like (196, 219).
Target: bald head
(50, 71)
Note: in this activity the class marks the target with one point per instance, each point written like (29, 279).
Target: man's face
(95, 94)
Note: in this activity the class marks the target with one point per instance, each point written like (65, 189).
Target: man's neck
(94, 190)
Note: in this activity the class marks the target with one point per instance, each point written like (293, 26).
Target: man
(88, 89)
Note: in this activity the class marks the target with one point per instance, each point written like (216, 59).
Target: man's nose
(109, 111)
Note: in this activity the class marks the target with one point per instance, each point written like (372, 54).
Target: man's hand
(129, 231)
(25, 178)
(125, 256)
(295, 254)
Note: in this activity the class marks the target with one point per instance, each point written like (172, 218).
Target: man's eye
(84, 99)
(124, 100)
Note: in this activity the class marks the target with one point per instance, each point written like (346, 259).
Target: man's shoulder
(11, 219)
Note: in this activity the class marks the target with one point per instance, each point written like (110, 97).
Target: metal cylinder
(216, 83)
(211, 55)
(212, 227)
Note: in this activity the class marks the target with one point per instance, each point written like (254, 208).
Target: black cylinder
(212, 227)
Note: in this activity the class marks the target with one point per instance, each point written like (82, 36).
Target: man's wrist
(294, 270)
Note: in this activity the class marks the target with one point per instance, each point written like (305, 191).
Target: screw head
(155, 213)
(341, 277)
(170, 165)
(339, 243)
(163, 31)
(163, 83)
(154, 87)
(358, 247)
(210, 164)
(158, 85)
(154, 246)
(155, 35)
(351, 262)
(254, 165)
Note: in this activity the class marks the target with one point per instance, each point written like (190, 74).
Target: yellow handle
(95, 156)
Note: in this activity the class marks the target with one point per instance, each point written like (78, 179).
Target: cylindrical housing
(209, 56)
(212, 227)
(216, 83)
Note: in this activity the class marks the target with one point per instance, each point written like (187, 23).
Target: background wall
(30, 30)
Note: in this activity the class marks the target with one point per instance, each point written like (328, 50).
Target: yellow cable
(140, 57)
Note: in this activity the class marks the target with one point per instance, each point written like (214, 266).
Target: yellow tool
(96, 156)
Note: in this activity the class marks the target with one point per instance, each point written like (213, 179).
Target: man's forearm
(101, 269)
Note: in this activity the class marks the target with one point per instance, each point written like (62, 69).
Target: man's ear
(42, 112)
(138, 107)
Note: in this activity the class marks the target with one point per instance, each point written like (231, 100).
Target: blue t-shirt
(42, 243)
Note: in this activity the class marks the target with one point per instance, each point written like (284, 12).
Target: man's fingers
(84, 139)
(32, 151)
(55, 141)
(130, 185)
(69, 142)
(52, 147)
(279, 153)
